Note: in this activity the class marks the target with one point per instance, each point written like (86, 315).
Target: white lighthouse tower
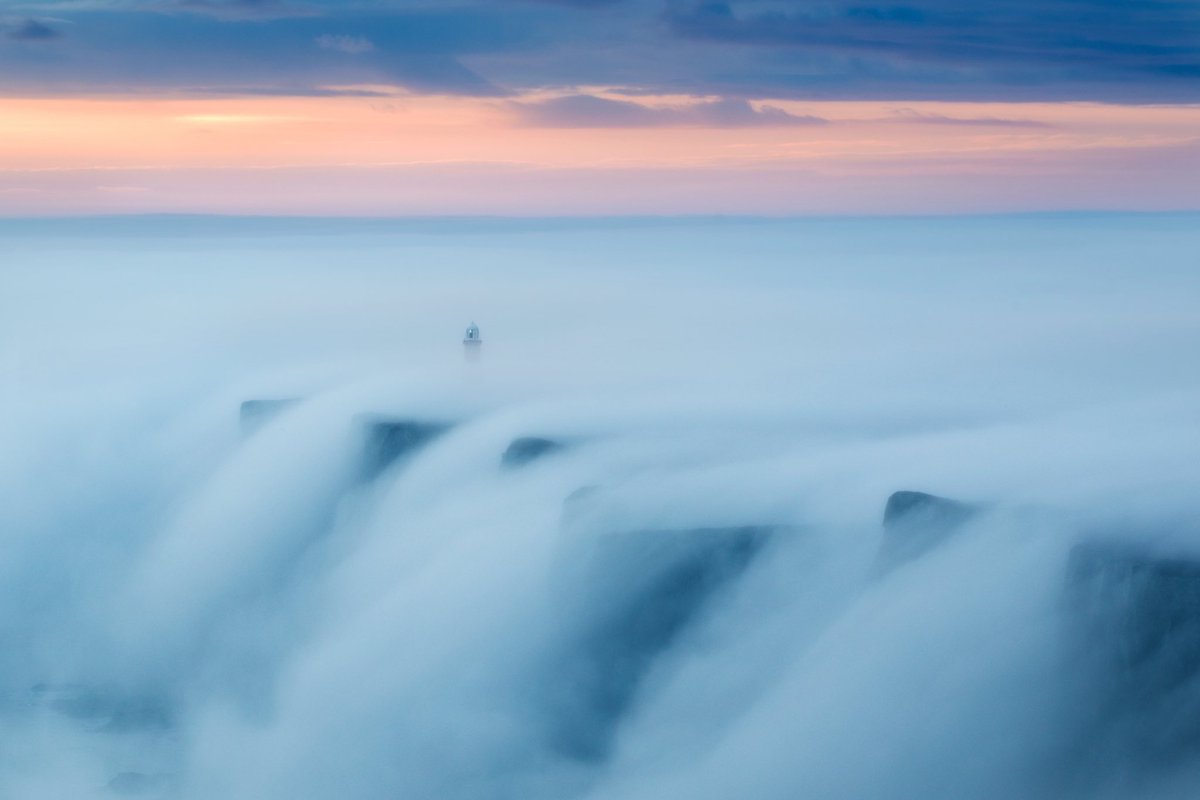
(472, 342)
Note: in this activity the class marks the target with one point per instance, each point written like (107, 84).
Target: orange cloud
(349, 137)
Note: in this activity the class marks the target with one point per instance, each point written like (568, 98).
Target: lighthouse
(472, 343)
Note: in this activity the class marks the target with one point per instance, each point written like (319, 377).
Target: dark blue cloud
(31, 30)
(1102, 50)
(1089, 48)
(418, 49)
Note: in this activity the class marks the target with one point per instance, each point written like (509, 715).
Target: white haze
(308, 636)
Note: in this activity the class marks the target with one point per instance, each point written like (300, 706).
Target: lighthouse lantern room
(472, 342)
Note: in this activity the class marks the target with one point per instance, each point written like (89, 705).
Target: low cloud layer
(687, 597)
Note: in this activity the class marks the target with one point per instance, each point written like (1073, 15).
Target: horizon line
(400, 218)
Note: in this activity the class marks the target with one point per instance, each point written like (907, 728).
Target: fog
(687, 594)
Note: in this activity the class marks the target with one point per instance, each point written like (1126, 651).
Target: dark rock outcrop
(640, 591)
(527, 449)
(915, 522)
(256, 413)
(1145, 604)
(388, 440)
(1133, 617)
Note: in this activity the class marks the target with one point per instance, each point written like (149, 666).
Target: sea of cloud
(195, 608)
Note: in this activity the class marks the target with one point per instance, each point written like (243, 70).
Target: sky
(598, 107)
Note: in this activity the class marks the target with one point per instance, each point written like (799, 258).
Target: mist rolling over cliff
(636, 549)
